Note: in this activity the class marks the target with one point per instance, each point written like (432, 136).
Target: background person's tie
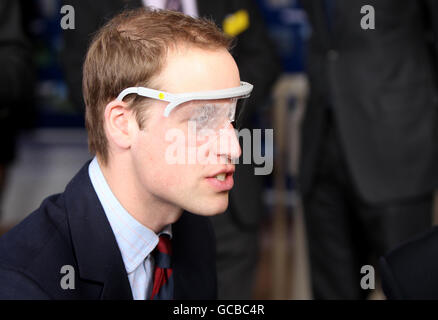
(163, 279)
(174, 5)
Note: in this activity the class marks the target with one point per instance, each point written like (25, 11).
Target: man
(369, 152)
(158, 86)
(236, 230)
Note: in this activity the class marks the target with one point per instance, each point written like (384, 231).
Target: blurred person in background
(16, 82)
(237, 230)
(408, 272)
(369, 136)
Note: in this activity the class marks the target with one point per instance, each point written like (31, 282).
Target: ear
(117, 117)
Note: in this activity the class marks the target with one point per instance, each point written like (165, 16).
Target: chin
(211, 208)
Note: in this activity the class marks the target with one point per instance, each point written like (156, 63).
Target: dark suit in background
(71, 229)
(237, 229)
(369, 136)
(410, 271)
(16, 80)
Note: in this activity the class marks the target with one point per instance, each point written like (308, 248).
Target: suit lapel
(96, 250)
(116, 283)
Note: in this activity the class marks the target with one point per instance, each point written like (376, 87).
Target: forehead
(190, 69)
(193, 107)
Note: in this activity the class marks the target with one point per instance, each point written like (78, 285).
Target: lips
(222, 180)
(224, 172)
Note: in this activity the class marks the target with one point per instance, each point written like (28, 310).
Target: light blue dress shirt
(135, 240)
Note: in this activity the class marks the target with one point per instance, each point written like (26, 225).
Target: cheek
(154, 145)
(172, 181)
(205, 140)
(164, 171)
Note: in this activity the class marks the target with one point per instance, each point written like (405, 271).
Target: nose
(228, 144)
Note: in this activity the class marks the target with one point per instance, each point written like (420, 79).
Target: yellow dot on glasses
(161, 95)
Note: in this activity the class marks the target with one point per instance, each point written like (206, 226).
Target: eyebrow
(187, 111)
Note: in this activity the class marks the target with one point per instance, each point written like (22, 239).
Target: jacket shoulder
(34, 251)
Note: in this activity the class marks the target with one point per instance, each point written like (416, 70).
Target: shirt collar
(135, 240)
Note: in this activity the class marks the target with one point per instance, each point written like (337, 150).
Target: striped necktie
(174, 5)
(163, 280)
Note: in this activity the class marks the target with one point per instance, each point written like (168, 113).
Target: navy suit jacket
(71, 228)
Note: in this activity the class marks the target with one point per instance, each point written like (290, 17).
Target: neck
(149, 210)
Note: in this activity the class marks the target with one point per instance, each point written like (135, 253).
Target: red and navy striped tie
(163, 280)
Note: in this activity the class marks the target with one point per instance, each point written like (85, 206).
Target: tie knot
(163, 252)
(164, 244)
(163, 280)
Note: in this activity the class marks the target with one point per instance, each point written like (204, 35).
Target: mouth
(222, 180)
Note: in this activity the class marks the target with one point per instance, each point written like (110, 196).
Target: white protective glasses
(176, 99)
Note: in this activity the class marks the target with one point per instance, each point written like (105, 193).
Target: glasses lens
(210, 116)
(214, 114)
(240, 113)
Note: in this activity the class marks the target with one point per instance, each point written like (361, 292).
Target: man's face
(200, 180)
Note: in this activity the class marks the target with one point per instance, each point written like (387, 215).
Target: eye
(204, 114)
